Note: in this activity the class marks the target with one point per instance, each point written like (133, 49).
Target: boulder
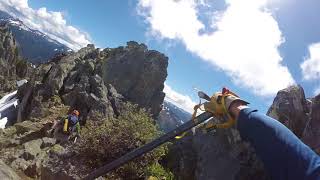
(6, 136)
(27, 126)
(32, 149)
(20, 164)
(48, 142)
(6, 173)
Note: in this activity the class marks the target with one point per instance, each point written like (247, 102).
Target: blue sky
(254, 47)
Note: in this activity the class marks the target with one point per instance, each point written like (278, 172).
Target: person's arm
(283, 154)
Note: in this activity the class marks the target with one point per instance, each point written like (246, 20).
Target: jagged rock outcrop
(299, 114)
(137, 73)
(291, 108)
(311, 134)
(90, 79)
(70, 79)
(8, 59)
(8, 51)
(12, 66)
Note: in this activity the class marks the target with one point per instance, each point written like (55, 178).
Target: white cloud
(182, 101)
(316, 91)
(311, 65)
(51, 23)
(244, 45)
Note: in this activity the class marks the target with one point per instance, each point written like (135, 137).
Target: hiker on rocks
(284, 155)
(69, 125)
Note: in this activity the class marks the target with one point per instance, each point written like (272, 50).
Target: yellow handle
(65, 126)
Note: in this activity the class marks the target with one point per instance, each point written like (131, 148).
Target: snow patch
(3, 123)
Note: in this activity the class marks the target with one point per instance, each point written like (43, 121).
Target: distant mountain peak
(33, 45)
(172, 116)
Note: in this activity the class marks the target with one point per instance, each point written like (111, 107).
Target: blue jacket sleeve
(285, 157)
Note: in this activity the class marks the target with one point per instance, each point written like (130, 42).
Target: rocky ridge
(90, 80)
(75, 80)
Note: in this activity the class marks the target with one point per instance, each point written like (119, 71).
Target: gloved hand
(219, 107)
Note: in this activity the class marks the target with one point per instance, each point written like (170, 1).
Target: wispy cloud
(244, 44)
(182, 101)
(51, 23)
(311, 65)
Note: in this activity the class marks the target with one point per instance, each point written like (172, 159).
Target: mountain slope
(172, 116)
(33, 45)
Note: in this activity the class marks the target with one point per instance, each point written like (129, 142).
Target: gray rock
(290, 108)
(6, 173)
(24, 95)
(6, 137)
(27, 126)
(59, 71)
(32, 149)
(138, 74)
(48, 142)
(20, 164)
(83, 81)
(8, 54)
(299, 114)
(115, 99)
(311, 134)
(217, 155)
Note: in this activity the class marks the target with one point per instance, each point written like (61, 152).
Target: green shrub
(104, 141)
(158, 171)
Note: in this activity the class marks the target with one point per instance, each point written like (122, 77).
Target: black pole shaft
(148, 147)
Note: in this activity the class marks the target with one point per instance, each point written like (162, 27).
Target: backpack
(73, 120)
